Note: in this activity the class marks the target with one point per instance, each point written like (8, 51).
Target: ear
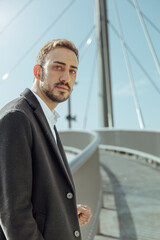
(37, 71)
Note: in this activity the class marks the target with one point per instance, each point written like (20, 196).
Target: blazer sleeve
(16, 218)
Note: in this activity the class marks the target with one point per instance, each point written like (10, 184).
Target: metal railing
(144, 143)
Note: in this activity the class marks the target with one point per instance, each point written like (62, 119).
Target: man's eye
(73, 71)
(57, 67)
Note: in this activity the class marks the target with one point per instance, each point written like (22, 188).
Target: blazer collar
(33, 102)
(30, 98)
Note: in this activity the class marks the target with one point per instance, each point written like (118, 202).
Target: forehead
(64, 55)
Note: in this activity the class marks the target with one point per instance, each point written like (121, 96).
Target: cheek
(53, 73)
(50, 79)
(53, 77)
(47, 83)
(51, 86)
(72, 82)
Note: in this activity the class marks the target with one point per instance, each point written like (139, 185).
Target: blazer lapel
(61, 149)
(32, 100)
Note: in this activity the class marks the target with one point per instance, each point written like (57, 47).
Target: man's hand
(84, 214)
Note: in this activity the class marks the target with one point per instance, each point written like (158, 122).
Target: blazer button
(76, 233)
(69, 195)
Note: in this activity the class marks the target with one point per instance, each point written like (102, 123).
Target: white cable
(147, 36)
(15, 17)
(138, 110)
(89, 91)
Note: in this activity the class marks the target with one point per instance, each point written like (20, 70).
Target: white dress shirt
(51, 116)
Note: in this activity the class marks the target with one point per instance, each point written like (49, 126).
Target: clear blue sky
(75, 24)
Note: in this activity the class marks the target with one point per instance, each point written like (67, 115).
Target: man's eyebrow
(64, 64)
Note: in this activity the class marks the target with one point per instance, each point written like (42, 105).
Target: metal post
(69, 117)
(105, 95)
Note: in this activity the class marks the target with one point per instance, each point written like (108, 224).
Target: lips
(62, 88)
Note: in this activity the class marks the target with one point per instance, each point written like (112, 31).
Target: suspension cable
(16, 16)
(147, 36)
(88, 41)
(136, 59)
(38, 40)
(90, 91)
(138, 110)
(86, 38)
(145, 17)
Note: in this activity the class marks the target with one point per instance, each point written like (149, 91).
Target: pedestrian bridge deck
(131, 198)
(117, 173)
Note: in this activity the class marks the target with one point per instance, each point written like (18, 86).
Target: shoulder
(17, 108)
(14, 116)
(15, 126)
(14, 119)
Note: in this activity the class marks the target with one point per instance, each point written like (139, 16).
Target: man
(37, 193)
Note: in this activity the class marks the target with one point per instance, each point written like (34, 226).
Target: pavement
(131, 198)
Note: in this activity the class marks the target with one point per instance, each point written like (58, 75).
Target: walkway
(131, 198)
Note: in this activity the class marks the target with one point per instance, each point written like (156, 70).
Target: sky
(41, 21)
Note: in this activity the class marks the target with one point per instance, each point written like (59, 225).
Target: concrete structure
(129, 162)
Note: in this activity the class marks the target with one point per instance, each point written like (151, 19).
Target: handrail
(86, 174)
(144, 141)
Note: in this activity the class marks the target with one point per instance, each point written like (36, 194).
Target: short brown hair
(55, 44)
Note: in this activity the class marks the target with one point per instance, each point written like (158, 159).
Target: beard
(48, 91)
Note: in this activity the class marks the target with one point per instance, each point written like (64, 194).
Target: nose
(65, 77)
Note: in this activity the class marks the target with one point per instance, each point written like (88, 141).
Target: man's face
(59, 74)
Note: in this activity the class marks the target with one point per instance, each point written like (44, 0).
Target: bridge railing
(140, 142)
(86, 173)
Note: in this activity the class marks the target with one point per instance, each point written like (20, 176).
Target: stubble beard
(58, 99)
(49, 92)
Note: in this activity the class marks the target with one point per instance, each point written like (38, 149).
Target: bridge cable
(145, 17)
(5, 76)
(138, 109)
(147, 36)
(136, 59)
(16, 16)
(86, 38)
(88, 41)
(90, 90)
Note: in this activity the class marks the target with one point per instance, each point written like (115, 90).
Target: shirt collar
(52, 116)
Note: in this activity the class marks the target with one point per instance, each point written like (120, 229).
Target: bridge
(116, 173)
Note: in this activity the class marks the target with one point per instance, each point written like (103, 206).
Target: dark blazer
(37, 193)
